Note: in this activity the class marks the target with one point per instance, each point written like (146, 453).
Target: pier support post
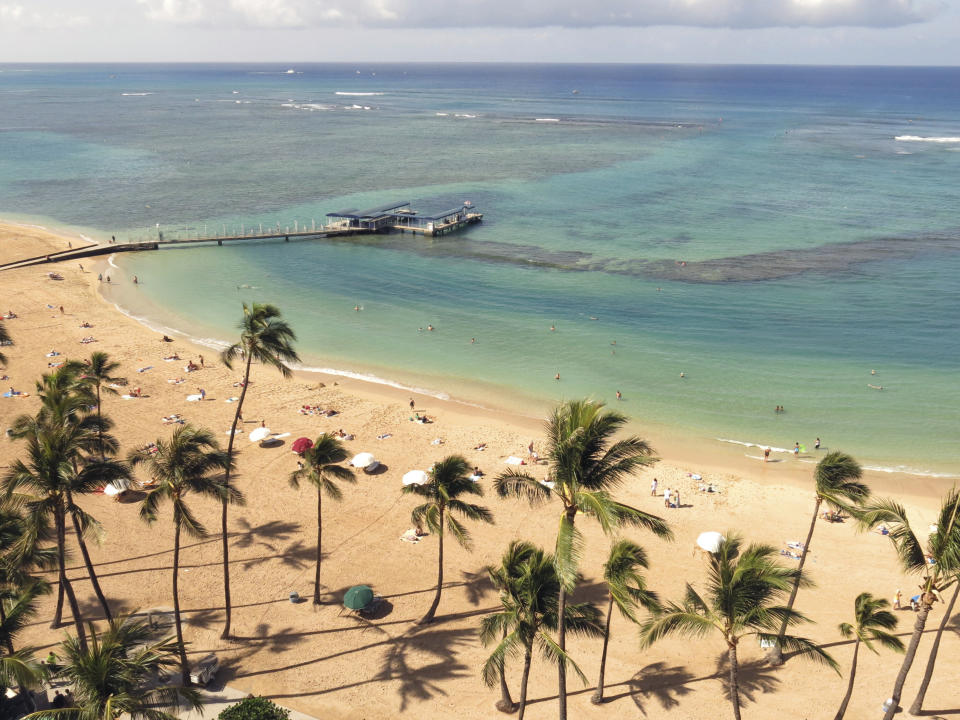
(286, 238)
(220, 243)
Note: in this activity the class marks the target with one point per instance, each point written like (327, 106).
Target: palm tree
(95, 372)
(504, 578)
(40, 486)
(268, 339)
(743, 590)
(18, 667)
(530, 608)
(942, 547)
(320, 469)
(917, 707)
(115, 676)
(837, 484)
(586, 464)
(871, 622)
(66, 402)
(449, 479)
(190, 462)
(626, 588)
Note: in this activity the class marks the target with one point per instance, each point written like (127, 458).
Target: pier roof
(354, 214)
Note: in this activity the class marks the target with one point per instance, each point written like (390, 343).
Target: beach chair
(205, 670)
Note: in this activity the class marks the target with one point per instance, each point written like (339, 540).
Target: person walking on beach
(817, 444)
(619, 396)
(796, 449)
(766, 454)
(666, 497)
(412, 404)
(653, 487)
(203, 394)
(201, 361)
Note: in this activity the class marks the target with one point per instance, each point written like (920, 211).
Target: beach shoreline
(292, 652)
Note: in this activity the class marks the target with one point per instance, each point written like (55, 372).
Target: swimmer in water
(682, 375)
(430, 328)
(873, 372)
(557, 376)
(553, 328)
(473, 340)
(356, 308)
(619, 396)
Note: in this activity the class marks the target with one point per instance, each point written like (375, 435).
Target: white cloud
(182, 12)
(15, 16)
(545, 13)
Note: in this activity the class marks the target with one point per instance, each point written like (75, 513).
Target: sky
(833, 32)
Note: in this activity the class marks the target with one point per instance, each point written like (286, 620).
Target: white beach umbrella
(710, 541)
(415, 477)
(364, 460)
(259, 434)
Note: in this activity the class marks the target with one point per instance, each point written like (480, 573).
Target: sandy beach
(331, 665)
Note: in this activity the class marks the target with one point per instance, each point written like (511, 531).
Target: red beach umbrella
(301, 445)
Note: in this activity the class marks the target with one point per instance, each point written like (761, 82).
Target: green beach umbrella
(358, 597)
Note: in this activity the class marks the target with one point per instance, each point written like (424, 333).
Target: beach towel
(144, 369)
(194, 398)
(514, 460)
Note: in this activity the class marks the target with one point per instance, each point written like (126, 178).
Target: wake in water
(918, 138)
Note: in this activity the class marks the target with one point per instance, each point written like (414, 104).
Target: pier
(396, 217)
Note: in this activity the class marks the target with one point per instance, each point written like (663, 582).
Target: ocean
(711, 241)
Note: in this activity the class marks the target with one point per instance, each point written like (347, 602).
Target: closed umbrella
(364, 460)
(415, 477)
(259, 434)
(710, 541)
(301, 445)
(358, 597)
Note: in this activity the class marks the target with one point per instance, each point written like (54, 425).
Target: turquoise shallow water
(818, 245)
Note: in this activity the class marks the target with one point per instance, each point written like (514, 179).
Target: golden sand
(332, 665)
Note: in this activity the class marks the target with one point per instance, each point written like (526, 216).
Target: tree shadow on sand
(661, 683)
(755, 677)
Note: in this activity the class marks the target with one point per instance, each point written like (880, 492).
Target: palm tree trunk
(64, 583)
(853, 674)
(527, 657)
(58, 613)
(316, 579)
(100, 429)
(428, 618)
(505, 704)
(88, 563)
(223, 514)
(775, 656)
(562, 642)
(598, 695)
(917, 707)
(184, 667)
(908, 658)
(734, 680)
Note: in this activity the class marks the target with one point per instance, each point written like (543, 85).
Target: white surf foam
(358, 94)
(918, 138)
(745, 443)
(142, 94)
(112, 263)
(547, 119)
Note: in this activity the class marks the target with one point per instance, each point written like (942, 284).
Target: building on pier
(399, 216)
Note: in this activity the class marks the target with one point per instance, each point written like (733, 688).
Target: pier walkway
(387, 218)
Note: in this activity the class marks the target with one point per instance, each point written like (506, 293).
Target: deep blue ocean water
(773, 233)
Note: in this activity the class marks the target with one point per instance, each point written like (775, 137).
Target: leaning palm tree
(65, 403)
(115, 676)
(741, 599)
(917, 707)
(320, 469)
(627, 589)
(98, 373)
(837, 481)
(871, 622)
(191, 462)
(529, 608)
(586, 464)
(268, 339)
(505, 579)
(937, 562)
(448, 481)
(40, 485)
